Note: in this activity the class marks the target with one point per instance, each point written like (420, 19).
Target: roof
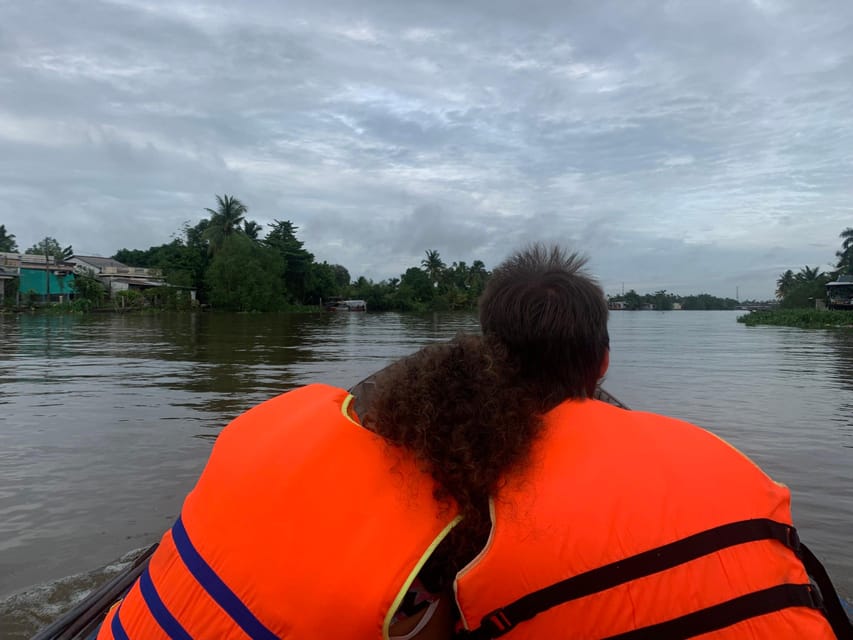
(99, 262)
(843, 281)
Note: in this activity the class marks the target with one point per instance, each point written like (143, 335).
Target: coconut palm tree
(251, 229)
(785, 283)
(809, 274)
(845, 256)
(7, 241)
(225, 221)
(434, 266)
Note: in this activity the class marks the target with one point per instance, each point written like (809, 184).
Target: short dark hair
(552, 317)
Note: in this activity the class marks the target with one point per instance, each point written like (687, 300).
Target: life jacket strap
(500, 621)
(728, 613)
(834, 611)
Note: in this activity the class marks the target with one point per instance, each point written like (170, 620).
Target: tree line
(801, 289)
(664, 301)
(232, 266)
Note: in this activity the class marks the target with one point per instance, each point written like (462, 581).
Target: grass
(800, 318)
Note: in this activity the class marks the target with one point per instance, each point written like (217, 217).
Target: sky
(687, 146)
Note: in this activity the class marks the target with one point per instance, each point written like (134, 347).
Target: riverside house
(839, 294)
(43, 278)
(116, 276)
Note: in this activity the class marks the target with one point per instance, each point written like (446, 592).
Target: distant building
(116, 276)
(676, 306)
(616, 305)
(839, 294)
(44, 277)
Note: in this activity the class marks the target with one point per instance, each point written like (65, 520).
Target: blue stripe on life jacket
(118, 631)
(216, 588)
(161, 614)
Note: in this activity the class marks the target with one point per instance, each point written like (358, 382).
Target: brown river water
(106, 421)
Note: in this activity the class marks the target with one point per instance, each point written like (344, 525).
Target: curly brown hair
(460, 408)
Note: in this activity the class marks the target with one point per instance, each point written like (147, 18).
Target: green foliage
(296, 261)
(416, 291)
(707, 302)
(844, 265)
(225, 221)
(324, 281)
(433, 265)
(128, 300)
(170, 298)
(244, 276)
(50, 247)
(663, 301)
(87, 287)
(799, 291)
(7, 241)
(801, 318)
(10, 292)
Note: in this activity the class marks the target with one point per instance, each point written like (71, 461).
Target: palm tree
(845, 256)
(225, 221)
(7, 241)
(251, 229)
(809, 274)
(433, 265)
(785, 283)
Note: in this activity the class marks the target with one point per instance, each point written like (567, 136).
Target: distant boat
(339, 304)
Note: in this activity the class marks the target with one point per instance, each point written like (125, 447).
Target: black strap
(835, 614)
(728, 613)
(500, 621)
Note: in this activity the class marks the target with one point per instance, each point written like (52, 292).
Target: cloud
(688, 145)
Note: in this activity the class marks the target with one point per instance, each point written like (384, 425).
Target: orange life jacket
(302, 525)
(644, 527)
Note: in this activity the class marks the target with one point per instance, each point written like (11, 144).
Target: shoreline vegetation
(224, 263)
(799, 318)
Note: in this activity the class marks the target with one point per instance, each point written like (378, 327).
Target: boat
(83, 621)
(339, 304)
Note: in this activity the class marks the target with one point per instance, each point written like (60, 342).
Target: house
(116, 276)
(10, 265)
(616, 305)
(839, 294)
(44, 277)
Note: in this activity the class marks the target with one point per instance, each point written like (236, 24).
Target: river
(106, 420)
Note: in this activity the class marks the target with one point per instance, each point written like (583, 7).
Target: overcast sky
(687, 146)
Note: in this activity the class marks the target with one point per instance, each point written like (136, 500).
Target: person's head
(552, 318)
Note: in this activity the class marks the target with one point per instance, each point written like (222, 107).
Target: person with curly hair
(580, 519)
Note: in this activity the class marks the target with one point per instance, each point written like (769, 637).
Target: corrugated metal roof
(97, 261)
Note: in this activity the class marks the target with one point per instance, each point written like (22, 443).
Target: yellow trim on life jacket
(415, 571)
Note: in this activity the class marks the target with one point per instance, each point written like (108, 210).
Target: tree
(50, 247)
(809, 274)
(88, 288)
(785, 283)
(633, 300)
(225, 221)
(416, 290)
(809, 285)
(244, 276)
(251, 229)
(296, 260)
(845, 255)
(433, 265)
(7, 241)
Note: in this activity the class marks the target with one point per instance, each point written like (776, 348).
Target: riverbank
(799, 318)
